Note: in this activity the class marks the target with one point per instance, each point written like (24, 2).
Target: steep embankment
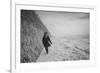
(32, 30)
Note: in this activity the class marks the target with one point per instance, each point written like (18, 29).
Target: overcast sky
(65, 23)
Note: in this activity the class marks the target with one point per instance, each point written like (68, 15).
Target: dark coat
(46, 41)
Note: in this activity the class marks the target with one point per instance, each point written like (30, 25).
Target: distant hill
(32, 30)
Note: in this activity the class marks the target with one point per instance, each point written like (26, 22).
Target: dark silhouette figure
(46, 41)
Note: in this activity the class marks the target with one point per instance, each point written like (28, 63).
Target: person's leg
(46, 48)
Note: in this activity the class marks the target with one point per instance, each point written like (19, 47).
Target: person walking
(46, 41)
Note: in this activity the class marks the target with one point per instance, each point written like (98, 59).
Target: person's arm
(49, 40)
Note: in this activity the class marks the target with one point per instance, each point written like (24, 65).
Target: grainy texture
(32, 30)
(64, 49)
